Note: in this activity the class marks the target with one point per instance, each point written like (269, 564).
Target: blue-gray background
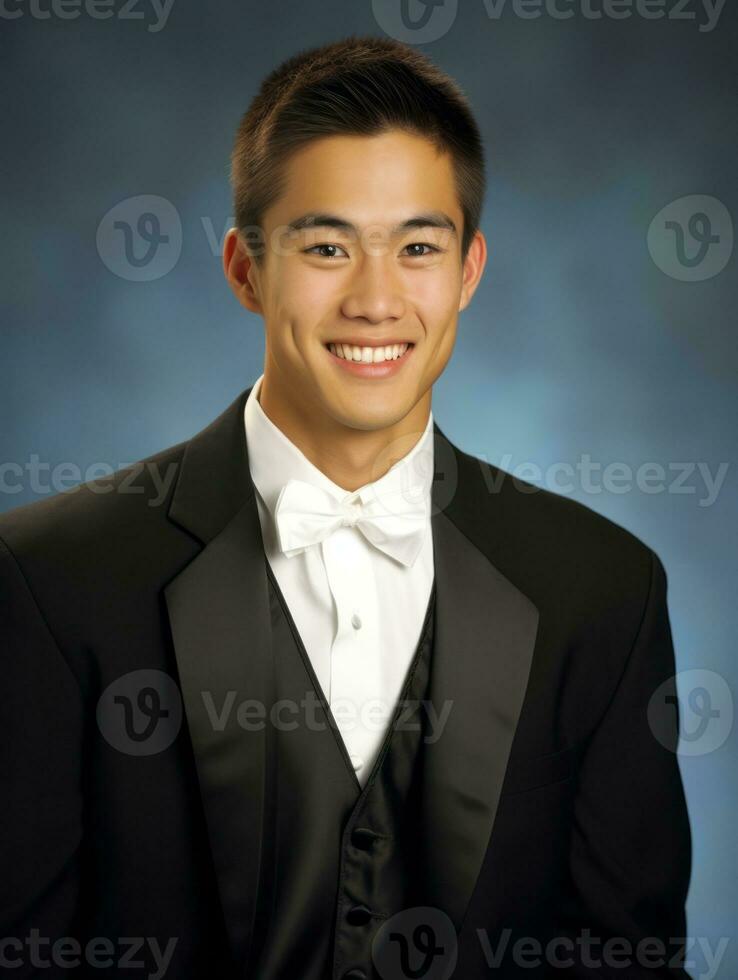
(577, 344)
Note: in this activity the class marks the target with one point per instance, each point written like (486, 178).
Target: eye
(333, 250)
(421, 255)
(311, 250)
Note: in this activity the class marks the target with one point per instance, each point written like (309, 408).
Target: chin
(383, 418)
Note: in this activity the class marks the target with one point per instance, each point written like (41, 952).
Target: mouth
(370, 362)
(369, 355)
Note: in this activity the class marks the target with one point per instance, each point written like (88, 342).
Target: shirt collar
(274, 459)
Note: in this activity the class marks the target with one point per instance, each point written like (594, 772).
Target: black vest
(339, 860)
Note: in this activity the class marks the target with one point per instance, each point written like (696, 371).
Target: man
(345, 701)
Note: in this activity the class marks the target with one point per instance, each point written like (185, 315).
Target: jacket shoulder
(553, 545)
(122, 503)
(557, 516)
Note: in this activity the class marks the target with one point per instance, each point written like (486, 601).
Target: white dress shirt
(359, 612)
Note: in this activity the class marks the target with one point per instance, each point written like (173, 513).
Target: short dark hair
(359, 86)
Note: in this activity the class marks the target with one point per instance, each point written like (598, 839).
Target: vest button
(359, 915)
(363, 838)
(354, 975)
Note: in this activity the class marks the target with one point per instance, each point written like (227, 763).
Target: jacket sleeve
(630, 858)
(41, 721)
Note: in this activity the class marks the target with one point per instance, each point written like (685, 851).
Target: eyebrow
(428, 219)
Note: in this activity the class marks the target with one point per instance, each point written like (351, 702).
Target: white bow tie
(394, 521)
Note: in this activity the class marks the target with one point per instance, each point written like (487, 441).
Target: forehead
(369, 179)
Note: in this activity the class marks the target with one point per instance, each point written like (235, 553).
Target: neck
(350, 457)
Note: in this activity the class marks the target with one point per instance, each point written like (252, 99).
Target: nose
(374, 293)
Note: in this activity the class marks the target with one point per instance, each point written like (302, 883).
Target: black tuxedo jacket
(550, 811)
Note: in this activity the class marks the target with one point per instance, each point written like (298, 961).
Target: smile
(370, 362)
(369, 355)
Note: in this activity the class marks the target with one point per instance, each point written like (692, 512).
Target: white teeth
(368, 355)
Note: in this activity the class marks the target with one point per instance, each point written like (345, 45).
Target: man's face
(370, 280)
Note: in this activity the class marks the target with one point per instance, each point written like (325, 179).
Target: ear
(474, 264)
(241, 271)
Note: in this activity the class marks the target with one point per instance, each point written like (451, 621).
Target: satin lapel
(485, 632)
(218, 609)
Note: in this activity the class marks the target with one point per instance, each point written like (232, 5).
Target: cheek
(304, 295)
(300, 278)
(437, 306)
(295, 305)
(435, 289)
